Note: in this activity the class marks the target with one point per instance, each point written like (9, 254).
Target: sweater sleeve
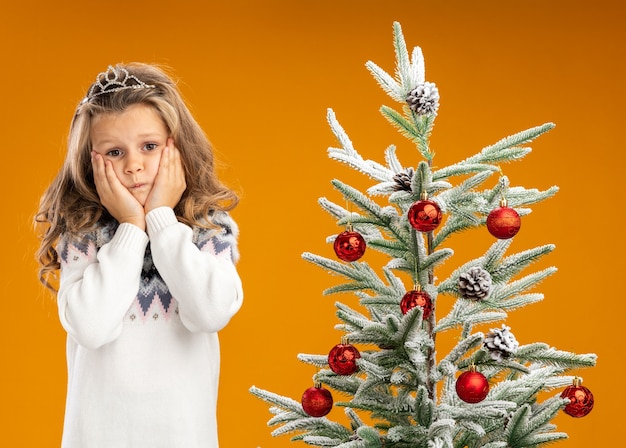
(203, 281)
(98, 286)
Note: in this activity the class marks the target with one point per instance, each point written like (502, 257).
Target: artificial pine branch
(508, 148)
(360, 200)
(542, 353)
(403, 65)
(514, 288)
(458, 193)
(517, 196)
(278, 400)
(347, 385)
(394, 249)
(321, 441)
(313, 425)
(351, 157)
(405, 127)
(495, 445)
(519, 301)
(392, 160)
(282, 418)
(489, 410)
(470, 316)
(314, 360)
(462, 169)
(514, 264)
(460, 350)
(411, 336)
(388, 84)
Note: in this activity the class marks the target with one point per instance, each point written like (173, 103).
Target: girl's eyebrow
(149, 134)
(142, 136)
(104, 142)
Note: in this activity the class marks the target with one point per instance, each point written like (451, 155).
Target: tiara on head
(114, 80)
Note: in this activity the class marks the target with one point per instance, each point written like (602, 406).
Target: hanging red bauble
(581, 399)
(472, 386)
(342, 359)
(424, 215)
(317, 401)
(349, 245)
(503, 222)
(414, 298)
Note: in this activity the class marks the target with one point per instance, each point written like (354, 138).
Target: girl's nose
(134, 163)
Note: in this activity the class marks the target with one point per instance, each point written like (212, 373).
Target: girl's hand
(120, 203)
(169, 184)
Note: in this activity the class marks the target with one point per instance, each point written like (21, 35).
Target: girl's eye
(150, 146)
(114, 153)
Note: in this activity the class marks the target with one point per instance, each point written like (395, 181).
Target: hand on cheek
(169, 184)
(119, 202)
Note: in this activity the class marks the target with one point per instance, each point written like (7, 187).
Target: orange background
(259, 77)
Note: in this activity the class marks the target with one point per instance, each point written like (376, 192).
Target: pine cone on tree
(424, 99)
(500, 343)
(475, 284)
(403, 180)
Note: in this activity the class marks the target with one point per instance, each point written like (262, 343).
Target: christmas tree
(488, 391)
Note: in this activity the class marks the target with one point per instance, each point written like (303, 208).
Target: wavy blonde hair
(71, 205)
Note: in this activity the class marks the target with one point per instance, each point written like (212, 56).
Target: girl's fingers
(165, 158)
(169, 183)
(107, 183)
(170, 167)
(99, 174)
(177, 165)
(111, 177)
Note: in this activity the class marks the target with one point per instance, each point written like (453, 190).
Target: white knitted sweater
(142, 312)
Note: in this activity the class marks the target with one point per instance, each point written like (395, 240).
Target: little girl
(136, 221)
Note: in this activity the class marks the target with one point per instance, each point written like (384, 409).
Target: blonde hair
(71, 205)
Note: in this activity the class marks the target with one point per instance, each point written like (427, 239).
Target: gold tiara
(114, 80)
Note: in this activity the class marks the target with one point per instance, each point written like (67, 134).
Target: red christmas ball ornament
(317, 401)
(349, 245)
(414, 298)
(424, 215)
(581, 399)
(503, 222)
(342, 359)
(472, 386)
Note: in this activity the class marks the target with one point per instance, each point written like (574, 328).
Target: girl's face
(133, 141)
